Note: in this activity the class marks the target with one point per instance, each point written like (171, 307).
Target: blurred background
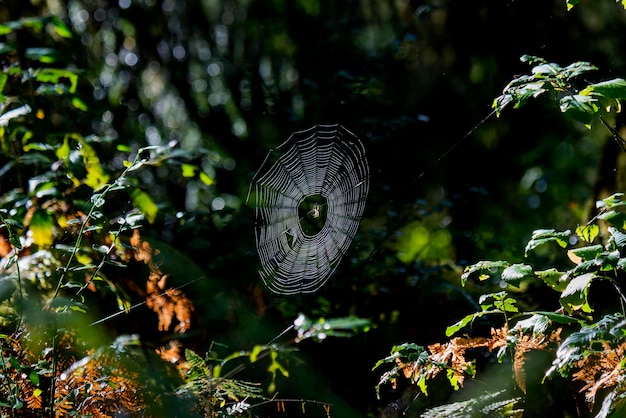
(221, 82)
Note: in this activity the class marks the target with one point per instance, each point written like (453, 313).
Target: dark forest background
(216, 84)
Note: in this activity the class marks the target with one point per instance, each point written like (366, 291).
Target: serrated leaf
(574, 297)
(537, 323)
(615, 218)
(588, 253)
(544, 236)
(553, 278)
(611, 89)
(617, 237)
(580, 108)
(514, 274)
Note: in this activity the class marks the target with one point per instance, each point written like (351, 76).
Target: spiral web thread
(327, 161)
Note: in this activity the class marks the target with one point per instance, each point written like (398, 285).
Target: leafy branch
(581, 104)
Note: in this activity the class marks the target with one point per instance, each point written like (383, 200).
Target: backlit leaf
(553, 278)
(41, 227)
(79, 104)
(145, 204)
(61, 28)
(189, 170)
(588, 232)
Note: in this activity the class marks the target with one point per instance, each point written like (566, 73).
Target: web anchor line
(443, 155)
(446, 153)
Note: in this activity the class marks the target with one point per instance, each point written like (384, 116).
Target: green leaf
(580, 108)
(206, 179)
(60, 28)
(615, 218)
(588, 253)
(189, 170)
(79, 104)
(571, 4)
(576, 69)
(485, 269)
(537, 323)
(3, 79)
(588, 232)
(544, 236)
(546, 68)
(514, 274)
(610, 89)
(553, 278)
(63, 152)
(96, 176)
(574, 297)
(145, 204)
(41, 226)
(617, 237)
(8, 285)
(57, 76)
(467, 320)
(611, 202)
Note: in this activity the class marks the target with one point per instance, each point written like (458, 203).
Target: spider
(315, 211)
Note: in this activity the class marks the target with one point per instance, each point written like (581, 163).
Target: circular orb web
(309, 197)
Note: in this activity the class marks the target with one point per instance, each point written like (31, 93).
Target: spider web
(308, 204)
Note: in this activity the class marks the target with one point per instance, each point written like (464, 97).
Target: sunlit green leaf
(61, 28)
(79, 104)
(41, 226)
(617, 237)
(58, 76)
(588, 253)
(206, 179)
(615, 218)
(189, 170)
(612, 89)
(611, 202)
(96, 176)
(145, 204)
(588, 232)
(553, 278)
(574, 297)
(63, 152)
(514, 274)
(467, 320)
(544, 236)
(484, 269)
(580, 108)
